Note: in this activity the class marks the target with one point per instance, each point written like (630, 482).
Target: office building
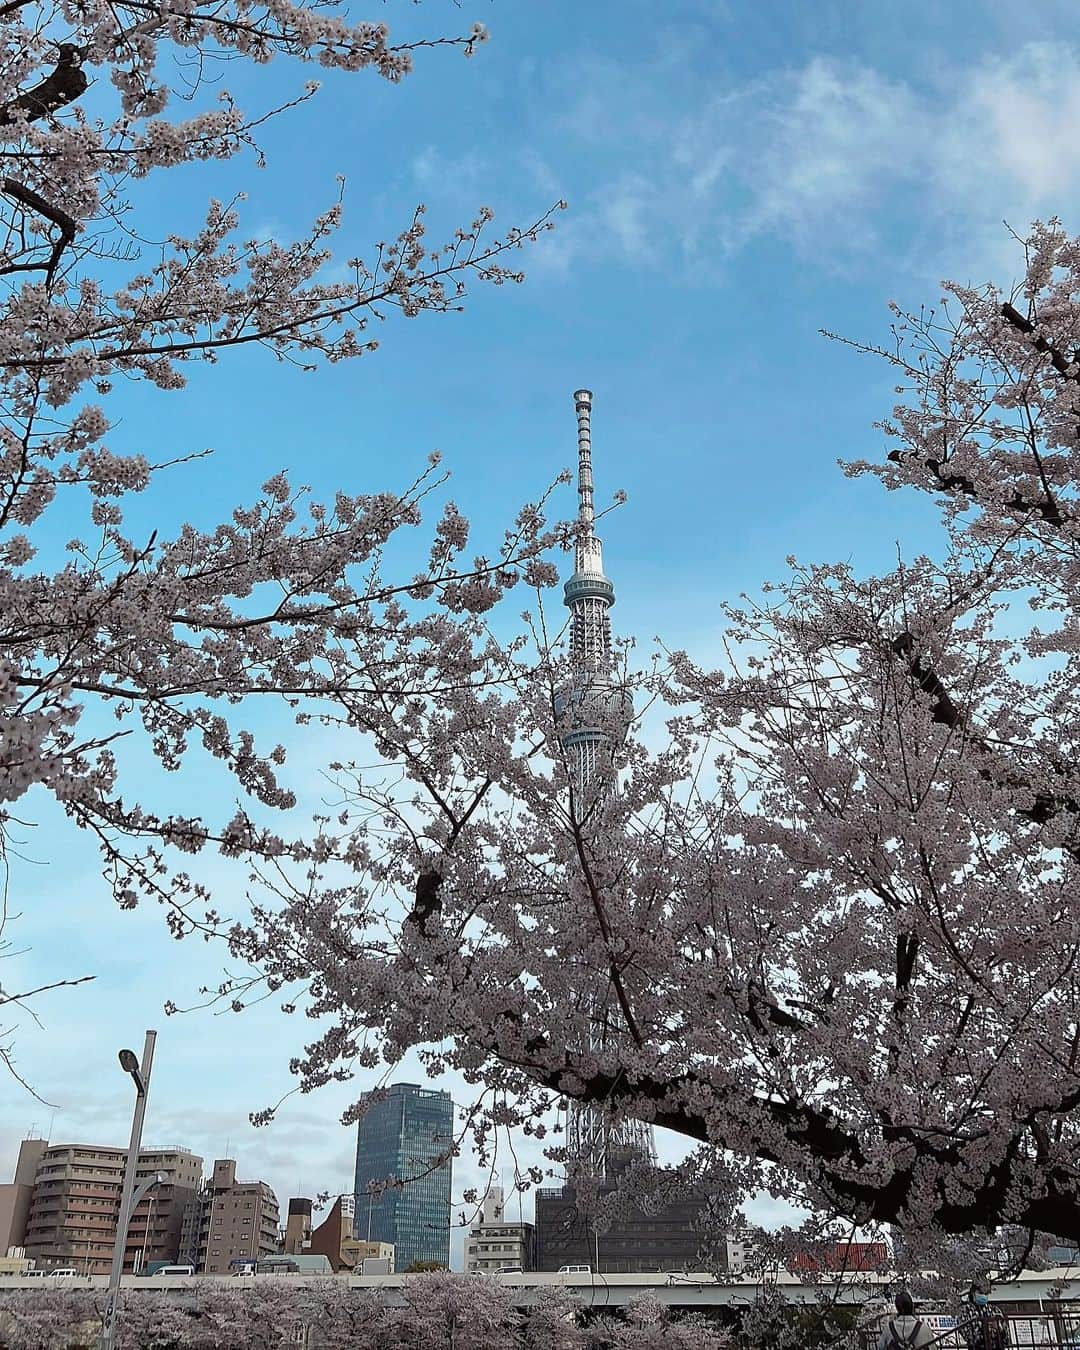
(496, 1241)
(64, 1204)
(668, 1237)
(229, 1222)
(406, 1136)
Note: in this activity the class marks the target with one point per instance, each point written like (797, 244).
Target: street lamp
(140, 1076)
(130, 1065)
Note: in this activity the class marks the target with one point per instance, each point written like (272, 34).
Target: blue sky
(739, 175)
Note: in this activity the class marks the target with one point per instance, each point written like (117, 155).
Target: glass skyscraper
(403, 1132)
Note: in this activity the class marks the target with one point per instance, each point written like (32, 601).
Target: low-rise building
(380, 1254)
(741, 1252)
(334, 1239)
(840, 1257)
(496, 1242)
(294, 1263)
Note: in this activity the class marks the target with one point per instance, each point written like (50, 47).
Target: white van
(575, 1270)
(34, 1274)
(60, 1274)
(175, 1270)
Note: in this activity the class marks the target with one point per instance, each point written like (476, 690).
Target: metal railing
(1056, 1329)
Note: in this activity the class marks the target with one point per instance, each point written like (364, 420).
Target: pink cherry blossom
(162, 637)
(833, 918)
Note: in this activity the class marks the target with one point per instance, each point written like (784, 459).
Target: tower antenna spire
(588, 555)
(583, 408)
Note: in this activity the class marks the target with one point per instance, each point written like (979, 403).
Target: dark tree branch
(1060, 363)
(427, 903)
(64, 85)
(959, 482)
(1047, 507)
(36, 202)
(1056, 1209)
(942, 710)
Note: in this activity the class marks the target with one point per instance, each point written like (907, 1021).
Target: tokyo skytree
(594, 715)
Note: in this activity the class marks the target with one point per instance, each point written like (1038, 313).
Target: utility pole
(140, 1076)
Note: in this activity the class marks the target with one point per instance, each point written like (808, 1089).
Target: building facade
(741, 1252)
(15, 1196)
(297, 1226)
(840, 1258)
(406, 1136)
(229, 1221)
(668, 1237)
(496, 1242)
(356, 1253)
(64, 1205)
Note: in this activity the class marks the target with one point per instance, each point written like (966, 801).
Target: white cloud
(625, 211)
(1022, 112)
(824, 147)
(840, 159)
(452, 178)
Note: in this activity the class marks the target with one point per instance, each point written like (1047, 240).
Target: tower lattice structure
(595, 715)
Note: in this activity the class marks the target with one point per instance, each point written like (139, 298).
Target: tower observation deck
(595, 715)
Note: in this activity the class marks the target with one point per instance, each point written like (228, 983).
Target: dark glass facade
(402, 1133)
(668, 1239)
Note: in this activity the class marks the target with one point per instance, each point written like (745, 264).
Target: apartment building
(64, 1205)
(229, 1221)
(495, 1241)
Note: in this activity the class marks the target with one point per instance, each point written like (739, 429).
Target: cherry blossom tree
(834, 917)
(440, 1309)
(551, 1320)
(341, 1317)
(52, 1319)
(434, 1311)
(649, 1325)
(157, 635)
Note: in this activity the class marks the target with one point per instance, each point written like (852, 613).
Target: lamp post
(146, 1231)
(140, 1076)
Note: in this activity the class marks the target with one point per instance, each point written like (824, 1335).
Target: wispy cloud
(452, 178)
(826, 157)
